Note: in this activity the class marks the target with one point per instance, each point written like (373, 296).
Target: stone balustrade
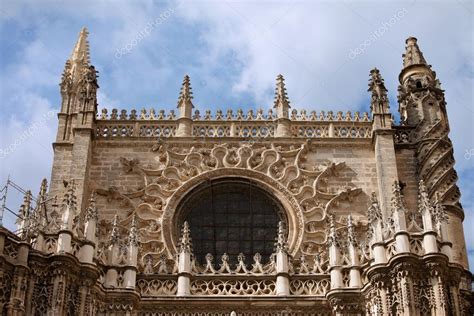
(249, 125)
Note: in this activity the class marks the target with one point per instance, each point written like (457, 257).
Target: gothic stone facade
(372, 220)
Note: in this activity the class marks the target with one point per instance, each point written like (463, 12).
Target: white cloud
(236, 48)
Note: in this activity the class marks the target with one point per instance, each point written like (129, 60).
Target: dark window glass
(231, 216)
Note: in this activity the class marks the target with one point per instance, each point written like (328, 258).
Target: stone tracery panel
(306, 190)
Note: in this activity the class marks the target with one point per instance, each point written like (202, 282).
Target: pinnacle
(185, 244)
(397, 199)
(281, 244)
(379, 101)
(133, 234)
(80, 53)
(376, 80)
(374, 211)
(413, 54)
(115, 234)
(92, 209)
(186, 93)
(281, 97)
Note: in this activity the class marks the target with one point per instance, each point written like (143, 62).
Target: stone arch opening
(232, 216)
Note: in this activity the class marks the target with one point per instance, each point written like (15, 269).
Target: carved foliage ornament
(304, 189)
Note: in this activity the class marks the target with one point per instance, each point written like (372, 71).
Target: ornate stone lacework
(157, 287)
(233, 287)
(256, 268)
(283, 167)
(10, 249)
(309, 286)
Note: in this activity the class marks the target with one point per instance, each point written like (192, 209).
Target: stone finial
(185, 104)
(39, 215)
(91, 212)
(185, 244)
(23, 221)
(281, 103)
(397, 198)
(115, 233)
(351, 234)
(332, 232)
(68, 205)
(43, 189)
(413, 54)
(374, 213)
(281, 243)
(133, 234)
(424, 203)
(439, 211)
(379, 100)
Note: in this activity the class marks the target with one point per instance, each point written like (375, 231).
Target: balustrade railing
(249, 125)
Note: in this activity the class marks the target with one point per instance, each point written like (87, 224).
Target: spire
(68, 205)
(24, 216)
(374, 213)
(281, 244)
(133, 234)
(351, 235)
(91, 212)
(413, 54)
(185, 245)
(39, 215)
(424, 203)
(185, 98)
(397, 198)
(379, 100)
(281, 103)
(332, 234)
(79, 59)
(439, 211)
(80, 54)
(115, 234)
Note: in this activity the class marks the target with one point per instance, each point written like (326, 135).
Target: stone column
(68, 209)
(16, 305)
(382, 138)
(354, 280)
(130, 275)
(334, 255)
(429, 235)
(59, 291)
(374, 216)
(439, 296)
(90, 228)
(184, 262)
(440, 218)
(398, 216)
(282, 281)
(113, 254)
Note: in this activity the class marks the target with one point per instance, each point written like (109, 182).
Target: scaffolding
(10, 184)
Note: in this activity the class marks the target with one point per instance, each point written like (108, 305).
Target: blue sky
(233, 52)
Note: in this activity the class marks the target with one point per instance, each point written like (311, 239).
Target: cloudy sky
(232, 52)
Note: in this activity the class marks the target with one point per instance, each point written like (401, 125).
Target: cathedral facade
(278, 212)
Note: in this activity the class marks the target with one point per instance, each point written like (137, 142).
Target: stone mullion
(16, 305)
(455, 299)
(57, 303)
(407, 292)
